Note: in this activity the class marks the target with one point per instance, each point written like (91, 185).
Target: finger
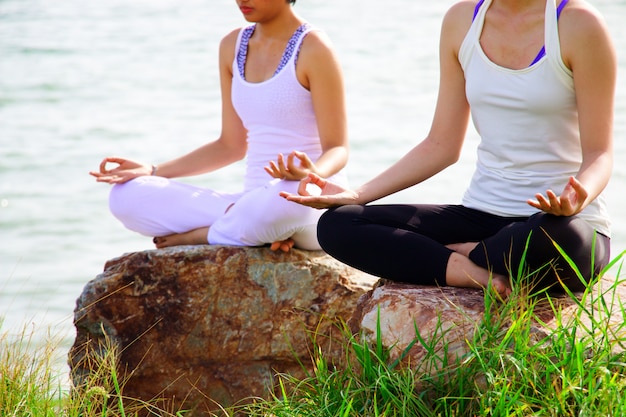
(281, 164)
(552, 196)
(271, 172)
(274, 171)
(554, 201)
(566, 205)
(317, 180)
(275, 246)
(274, 168)
(103, 165)
(577, 186)
(309, 201)
(303, 157)
(293, 197)
(108, 180)
(541, 202)
(303, 184)
(110, 159)
(533, 203)
(290, 164)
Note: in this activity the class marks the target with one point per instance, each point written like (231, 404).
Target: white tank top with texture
(528, 124)
(278, 112)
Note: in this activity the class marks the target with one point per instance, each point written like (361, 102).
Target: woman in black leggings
(538, 79)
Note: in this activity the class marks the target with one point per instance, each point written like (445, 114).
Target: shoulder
(317, 51)
(230, 40)
(227, 46)
(317, 60)
(316, 43)
(456, 23)
(580, 17)
(583, 32)
(461, 11)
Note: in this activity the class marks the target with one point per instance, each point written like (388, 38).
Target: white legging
(157, 206)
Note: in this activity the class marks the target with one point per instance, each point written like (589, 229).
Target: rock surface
(201, 325)
(399, 310)
(447, 317)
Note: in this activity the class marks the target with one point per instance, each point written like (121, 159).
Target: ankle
(462, 272)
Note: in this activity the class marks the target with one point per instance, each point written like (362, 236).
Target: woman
(538, 78)
(282, 108)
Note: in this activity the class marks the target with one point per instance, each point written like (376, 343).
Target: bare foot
(283, 245)
(193, 237)
(462, 272)
(501, 285)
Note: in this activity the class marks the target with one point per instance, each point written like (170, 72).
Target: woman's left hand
(125, 170)
(289, 170)
(569, 203)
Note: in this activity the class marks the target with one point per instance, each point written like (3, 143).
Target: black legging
(403, 242)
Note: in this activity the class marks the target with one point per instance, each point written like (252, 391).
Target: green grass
(31, 386)
(515, 365)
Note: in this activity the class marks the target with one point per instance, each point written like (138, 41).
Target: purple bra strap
(542, 53)
(480, 3)
(560, 8)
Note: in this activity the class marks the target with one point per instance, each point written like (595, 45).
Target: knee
(128, 200)
(323, 235)
(333, 226)
(567, 245)
(569, 233)
(120, 203)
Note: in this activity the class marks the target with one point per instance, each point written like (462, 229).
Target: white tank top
(528, 124)
(278, 112)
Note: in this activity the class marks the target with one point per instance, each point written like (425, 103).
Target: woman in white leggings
(282, 109)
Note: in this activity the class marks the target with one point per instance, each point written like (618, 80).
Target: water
(81, 80)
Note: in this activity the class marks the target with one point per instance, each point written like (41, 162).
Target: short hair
(291, 1)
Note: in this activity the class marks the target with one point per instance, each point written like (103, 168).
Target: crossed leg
(199, 237)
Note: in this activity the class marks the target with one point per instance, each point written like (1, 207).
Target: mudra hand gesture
(570, 202)
(289, 170)
(125, 170)
(332, 195)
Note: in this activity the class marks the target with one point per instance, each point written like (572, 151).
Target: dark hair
(291, 1)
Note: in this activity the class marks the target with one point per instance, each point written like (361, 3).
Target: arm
(231, 145)
(588, 51)
(323, 77)
(441, 147)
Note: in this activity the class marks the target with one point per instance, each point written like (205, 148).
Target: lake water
(80, 80)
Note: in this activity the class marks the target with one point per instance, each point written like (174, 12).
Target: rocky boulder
(415, 321)
(205, 325)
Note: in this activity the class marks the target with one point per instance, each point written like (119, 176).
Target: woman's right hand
(125, 170)
(332, 195)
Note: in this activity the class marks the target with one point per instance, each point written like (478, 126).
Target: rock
(446, 318)
(206, 325)
(401, 310)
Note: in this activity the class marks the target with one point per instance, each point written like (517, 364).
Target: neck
(519, 5)
(280, 26)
